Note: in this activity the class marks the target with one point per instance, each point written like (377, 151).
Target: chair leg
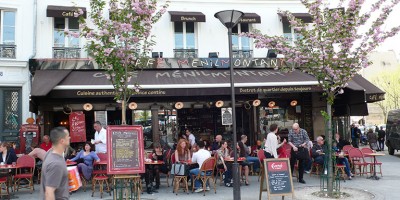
(168, 179)
(186, 184)
(93, 186)
(101, 188)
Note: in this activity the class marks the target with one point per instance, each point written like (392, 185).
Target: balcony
(7, 51)
(242, 53)
(66, 52)
(185, 53)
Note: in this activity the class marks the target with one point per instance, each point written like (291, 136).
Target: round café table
(374, 177)
(239, 160)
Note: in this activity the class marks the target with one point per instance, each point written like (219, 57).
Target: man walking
(54, 184)
(191, 138)
(381, 139)
(100, 138)
(298, 139)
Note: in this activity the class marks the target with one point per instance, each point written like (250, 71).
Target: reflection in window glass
(8, 31)
(178, 26)
(235, 42)
(60, 24)
(283, 117)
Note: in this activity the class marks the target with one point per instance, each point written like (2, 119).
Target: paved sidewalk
(385, 188)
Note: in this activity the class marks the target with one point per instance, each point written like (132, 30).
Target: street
(385, 188)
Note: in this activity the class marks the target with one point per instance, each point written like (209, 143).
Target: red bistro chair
(367, 150)
(261, 157)
(24, 162)
(357, 158)
(207, 166)
(99, 176)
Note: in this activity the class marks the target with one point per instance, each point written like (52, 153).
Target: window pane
(286, 27)
(190, 41)
(8, 35)
(244, 28)
(245, 43)
(73, 23)
(178, 40)
(73, 42)
(59, 23)
(11, 110)
(235, 42)
(59, 38)
(189, 27)
(235, 29)
(178, 27)
(9, 18)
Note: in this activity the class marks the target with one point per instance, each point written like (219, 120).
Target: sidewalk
(385, 188)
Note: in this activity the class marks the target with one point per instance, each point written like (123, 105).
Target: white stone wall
(15, 72)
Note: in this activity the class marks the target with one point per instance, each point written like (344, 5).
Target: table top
(154, 163)
(240, 159)
(8, 166)
(375, 154)
(69, 163)
(101, 162)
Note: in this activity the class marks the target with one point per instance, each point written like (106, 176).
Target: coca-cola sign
(277, 166)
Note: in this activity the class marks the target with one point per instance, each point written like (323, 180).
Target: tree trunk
(328, 143)
(123, 112)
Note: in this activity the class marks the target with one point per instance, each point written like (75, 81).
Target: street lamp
(229, 18)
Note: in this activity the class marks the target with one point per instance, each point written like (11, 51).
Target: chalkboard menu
(226, 115)
(278, 176)
(125, 150)
(77, 127)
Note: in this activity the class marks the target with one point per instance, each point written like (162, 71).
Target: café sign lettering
(188, 19)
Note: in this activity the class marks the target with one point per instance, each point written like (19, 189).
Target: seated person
(223, 153)
(340, 142)
(343, 161)
(85, 159)
(46, 144)
(217, 143)
(8, 155)
(199, 157)
(318, 150)
(158, 155)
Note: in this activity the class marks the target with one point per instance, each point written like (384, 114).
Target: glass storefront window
(283, 117)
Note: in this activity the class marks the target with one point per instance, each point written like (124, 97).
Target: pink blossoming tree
(118, 34)
(333, 48)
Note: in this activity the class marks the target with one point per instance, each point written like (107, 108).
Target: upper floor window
(184, 35)
(8, 27)
(240, 43)
(60, 24)
(289, 33)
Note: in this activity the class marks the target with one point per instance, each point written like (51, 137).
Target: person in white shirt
(199, 157)
(192, 139)
(100, 138)
(272, 142)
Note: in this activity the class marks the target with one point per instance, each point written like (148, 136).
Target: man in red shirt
(46, 145)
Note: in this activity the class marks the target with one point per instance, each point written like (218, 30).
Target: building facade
(189, 82)
(16, 47)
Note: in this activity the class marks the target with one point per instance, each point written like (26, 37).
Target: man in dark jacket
(381, 139)
(318, 151)
(355, 135)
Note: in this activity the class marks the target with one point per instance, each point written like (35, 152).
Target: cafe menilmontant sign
(209, 63)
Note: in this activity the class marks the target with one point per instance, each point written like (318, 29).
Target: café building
(185, 84)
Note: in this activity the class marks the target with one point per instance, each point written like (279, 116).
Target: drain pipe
(34, 47)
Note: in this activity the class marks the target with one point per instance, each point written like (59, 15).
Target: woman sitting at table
(244, 152)
(85, 160)
(8, 155)
(223, 153)
(158, 155)
(182, 153)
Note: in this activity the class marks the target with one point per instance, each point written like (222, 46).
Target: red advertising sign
(277, 166)
(125, 150)
(77, 127)
(29, 134)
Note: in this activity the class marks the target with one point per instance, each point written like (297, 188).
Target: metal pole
(235, 166)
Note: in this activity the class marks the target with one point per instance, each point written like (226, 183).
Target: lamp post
(229, 18)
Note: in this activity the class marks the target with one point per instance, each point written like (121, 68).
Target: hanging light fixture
(271, 104)
(256, 102)
(293, 103)
(87, 106)
(178, 105)
(132, 105)
(219, 104)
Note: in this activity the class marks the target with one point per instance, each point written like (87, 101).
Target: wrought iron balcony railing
(185, 53)
(7, 51)
(66, 52)
(242, 53)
